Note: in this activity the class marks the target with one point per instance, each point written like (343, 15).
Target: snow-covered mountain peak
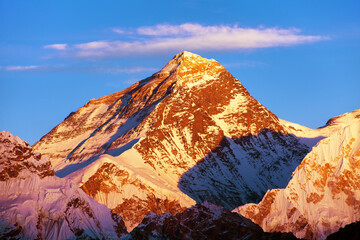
(344, 119)
(159, 137)
(183, 58)
(186, 54)
(7, 141)
(18, 160)
(187, 67)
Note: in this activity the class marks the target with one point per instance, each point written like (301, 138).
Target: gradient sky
(300, 59)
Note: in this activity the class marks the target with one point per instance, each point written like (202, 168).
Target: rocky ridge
(202, 221)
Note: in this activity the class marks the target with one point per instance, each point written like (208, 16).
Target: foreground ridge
(202, 221)
(35, 204)
(324, 193)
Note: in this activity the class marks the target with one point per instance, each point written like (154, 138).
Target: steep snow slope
(324, 193)
(191, 128)
(35, 204)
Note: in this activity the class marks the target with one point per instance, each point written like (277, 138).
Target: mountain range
(190, 133)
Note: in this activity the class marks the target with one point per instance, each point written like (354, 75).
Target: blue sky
(300, 59)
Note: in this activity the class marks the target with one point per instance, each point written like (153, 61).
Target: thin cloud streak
(75, 68)
(21, 68)
(58, 46)
(167, 30)
(193, 37)
(117, 30)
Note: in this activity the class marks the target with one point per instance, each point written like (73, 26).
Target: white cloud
(166, 29)
(193, 37)
(58, 46)
(114, 69)
(21, 68)
(117, 30)
(93, 45)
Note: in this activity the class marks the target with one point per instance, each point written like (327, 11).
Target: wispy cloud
(192, 37)
(113, 69)
(183, 29)
(21, 68)
(118, 30)
(58, 46)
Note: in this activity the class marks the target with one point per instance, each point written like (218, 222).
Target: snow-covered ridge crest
(311, 137)
(344, 119)
(324, 193)
(332, 125)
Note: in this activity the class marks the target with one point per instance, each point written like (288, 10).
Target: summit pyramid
(187, 134)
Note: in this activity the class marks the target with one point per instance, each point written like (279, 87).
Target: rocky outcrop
(109, 183)
(17, 157)
(349, 232)
(202, 221)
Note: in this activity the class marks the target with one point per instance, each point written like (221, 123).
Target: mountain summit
(190, 68)
(189, 133)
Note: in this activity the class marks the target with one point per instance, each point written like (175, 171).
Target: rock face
(324, 192)
(202, 221)
(190, 132)
(35, 204)
(110, 183)
(17, 158)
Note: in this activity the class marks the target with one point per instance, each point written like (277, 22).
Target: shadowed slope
(202, 221)
(241, 170)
